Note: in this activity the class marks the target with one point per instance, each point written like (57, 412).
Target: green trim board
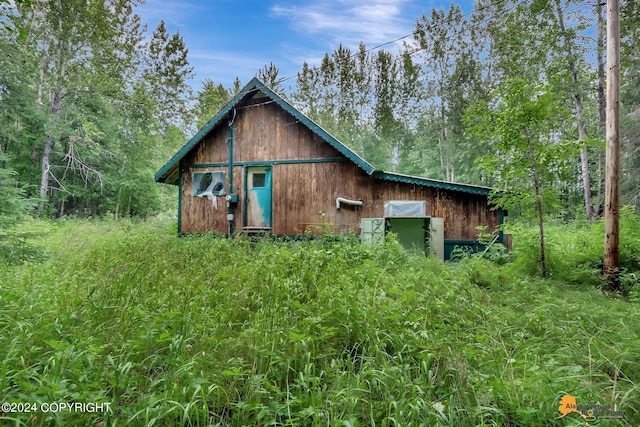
(230, 162)
(244, 199)
(230, 206)
(274, 237)
(267, 162)
(169, 173)
(466, 246)
(180, 204)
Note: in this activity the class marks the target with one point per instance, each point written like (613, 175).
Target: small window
(208, 183)
(259, 179)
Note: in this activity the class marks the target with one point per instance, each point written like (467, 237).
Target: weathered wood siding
(267, 132)
(262, 133)
(199, 214)
(304, 194)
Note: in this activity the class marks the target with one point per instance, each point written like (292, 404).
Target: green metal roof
(418, 180)
(169, 173)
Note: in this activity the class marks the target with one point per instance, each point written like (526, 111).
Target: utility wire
(497, 3)
(477, 24)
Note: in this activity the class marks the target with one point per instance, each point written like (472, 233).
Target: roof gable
(169, 173)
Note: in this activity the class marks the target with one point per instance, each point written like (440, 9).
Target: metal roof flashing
(418, 180)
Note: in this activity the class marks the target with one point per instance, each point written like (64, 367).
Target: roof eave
(409, 179)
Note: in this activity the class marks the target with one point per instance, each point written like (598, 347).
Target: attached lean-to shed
(261, 166)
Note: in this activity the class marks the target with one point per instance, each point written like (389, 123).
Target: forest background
(92, 103)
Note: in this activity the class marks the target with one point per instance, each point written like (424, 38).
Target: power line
(376, 47)
(477, 24)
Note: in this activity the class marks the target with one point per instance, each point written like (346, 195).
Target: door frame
(268, 179)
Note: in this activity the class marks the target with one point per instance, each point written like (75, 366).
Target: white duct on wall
(348, 202)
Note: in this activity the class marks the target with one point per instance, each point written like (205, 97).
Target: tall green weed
(208, 331)
(575, 251)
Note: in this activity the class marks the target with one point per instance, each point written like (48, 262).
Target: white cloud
(226, 41)
(349, 22)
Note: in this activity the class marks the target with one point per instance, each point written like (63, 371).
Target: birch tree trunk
(602, 112)
(612, 191)
(59, 67)
(44, 172)
(582, 132)
(538, 191)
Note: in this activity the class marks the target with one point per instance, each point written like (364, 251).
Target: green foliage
(269, 76)
(518, 128)
(13, 204)
(14, 207)
(575, 251)
(630, 105)
(452, 77)
(364, 99)
(88, 107)
(206, 331)
(527, 157)
(116, 93)
(166, 73)
(209, 100)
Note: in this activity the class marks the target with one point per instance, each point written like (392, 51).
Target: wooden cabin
(260, 165)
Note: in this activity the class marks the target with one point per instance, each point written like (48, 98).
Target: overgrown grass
(575, 252)
(204, 331)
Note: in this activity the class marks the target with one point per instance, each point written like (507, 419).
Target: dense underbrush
(575, 252)
(208, 331)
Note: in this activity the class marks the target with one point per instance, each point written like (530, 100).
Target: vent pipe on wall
(348, 202)
(230, 188)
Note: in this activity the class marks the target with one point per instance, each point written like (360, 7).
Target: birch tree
(78, 51)
(571, 59)
(520, 123)
(451, 75)
(81, 82)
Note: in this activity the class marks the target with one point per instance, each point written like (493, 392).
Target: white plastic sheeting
(405, 208)
(209, 185)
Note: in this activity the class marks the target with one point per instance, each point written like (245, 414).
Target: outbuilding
(261, 166)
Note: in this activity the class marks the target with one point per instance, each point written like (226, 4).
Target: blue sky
(229, 38)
